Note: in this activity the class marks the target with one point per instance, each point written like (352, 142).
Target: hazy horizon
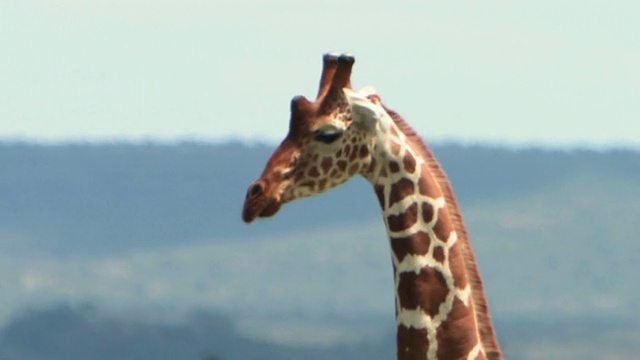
(145, 140)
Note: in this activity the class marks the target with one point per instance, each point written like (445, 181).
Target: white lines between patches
(401, 206)
(437, 204)
(475, 352)
(415, 263)
(464, 294)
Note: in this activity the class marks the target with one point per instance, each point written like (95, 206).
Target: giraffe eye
(327, 137)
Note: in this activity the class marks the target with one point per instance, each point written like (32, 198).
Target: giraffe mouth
(260, 207)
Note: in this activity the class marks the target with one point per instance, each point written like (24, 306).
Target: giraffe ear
(365, 114)
(368, 91)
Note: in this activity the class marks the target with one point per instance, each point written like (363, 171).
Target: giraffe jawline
(271, 209)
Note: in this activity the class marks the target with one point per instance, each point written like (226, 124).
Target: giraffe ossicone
(441, 309)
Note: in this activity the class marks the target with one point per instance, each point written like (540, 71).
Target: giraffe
(440, 307)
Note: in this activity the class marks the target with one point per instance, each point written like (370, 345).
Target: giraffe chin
(250, 213)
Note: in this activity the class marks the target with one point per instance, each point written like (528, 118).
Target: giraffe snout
(258, 203)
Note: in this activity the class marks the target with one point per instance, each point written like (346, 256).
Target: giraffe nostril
(256, 190)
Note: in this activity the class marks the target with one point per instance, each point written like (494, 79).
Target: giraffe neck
(435, 312)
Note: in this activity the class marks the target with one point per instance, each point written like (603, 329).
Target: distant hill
(153, 228)
(78, 199)
(65, 332)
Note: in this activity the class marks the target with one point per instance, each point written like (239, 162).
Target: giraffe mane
(480, 304)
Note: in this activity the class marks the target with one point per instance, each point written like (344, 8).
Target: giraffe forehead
(304, 124)
(307, 116)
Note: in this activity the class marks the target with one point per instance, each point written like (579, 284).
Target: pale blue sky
(518, 72)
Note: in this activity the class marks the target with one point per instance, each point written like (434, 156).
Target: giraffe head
(327, 144)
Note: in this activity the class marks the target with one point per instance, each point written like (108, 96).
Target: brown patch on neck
(394, 168)
(443, 227)
(400, 190)
(409, 163)
(405, 220)
(427, 212)
(413, 344)
(416, 244)
(457, 266)
(427, 185)
(427, 290)
(453, 341)
(438, 254)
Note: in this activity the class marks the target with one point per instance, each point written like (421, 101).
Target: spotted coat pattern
(333, 139)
